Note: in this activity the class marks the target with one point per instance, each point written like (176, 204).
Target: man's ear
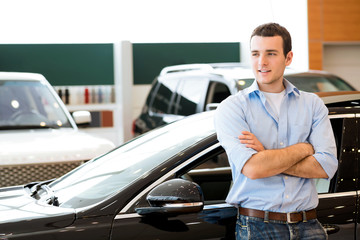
(289, 58)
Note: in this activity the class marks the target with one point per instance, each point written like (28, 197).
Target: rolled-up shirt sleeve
(229, 123)
(322, 139)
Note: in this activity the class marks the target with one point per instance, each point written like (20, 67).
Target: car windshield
(308, 83)
(106, 175)
(319, 83)
(28, 105)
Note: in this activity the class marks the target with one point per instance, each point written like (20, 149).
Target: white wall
(114, 21)
(344, 61)
(82, 21)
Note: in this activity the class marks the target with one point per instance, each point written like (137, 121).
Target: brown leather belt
(292, 217)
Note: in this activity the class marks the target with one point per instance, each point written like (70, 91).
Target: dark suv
(183, 90)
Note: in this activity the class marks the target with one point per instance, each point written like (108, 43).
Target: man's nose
(262, 61)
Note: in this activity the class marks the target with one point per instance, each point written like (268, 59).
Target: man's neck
(272, 87)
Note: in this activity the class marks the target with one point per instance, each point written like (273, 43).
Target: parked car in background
(183, 90)
(39, 138)
(171, 183)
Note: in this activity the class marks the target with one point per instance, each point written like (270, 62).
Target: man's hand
(251, 141)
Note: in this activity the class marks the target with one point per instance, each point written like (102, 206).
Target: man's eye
(272, 54)
(255, 54)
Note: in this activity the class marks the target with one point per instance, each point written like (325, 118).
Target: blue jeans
(256, 228)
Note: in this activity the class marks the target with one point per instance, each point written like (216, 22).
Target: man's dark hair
(271, 30)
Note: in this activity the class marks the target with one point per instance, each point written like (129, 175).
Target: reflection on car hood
(16, 205)
(49, 145)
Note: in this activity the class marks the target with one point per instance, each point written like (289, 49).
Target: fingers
(251, 141)
(246, 135)
(257, 148)
(247, 141)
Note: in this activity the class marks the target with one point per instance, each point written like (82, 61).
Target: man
(278, 139)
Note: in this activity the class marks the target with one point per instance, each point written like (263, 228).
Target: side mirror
(82, 118)
(176, 196)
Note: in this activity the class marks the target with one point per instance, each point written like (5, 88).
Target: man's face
(268, 62)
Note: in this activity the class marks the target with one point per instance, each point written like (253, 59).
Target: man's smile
(264, 71)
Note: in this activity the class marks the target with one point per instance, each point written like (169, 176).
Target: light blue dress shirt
(303, 117)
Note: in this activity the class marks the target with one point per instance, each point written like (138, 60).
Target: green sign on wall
(150, 58)
(93, 64)
(61, 64)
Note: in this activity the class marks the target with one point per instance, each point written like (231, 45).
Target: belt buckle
(288, 218)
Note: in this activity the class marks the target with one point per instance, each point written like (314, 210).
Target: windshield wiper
(16, 127)
(35, 187)
(52, 199)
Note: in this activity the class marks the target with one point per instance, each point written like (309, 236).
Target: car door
(338, 198)
(211, 171)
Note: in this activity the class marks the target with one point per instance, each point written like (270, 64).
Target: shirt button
(281, 143)
(286, 178)
(287, 196)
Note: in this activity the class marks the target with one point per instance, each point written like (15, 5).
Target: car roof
(233, 70)
(21, 76)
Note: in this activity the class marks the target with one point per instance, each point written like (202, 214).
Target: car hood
(49, 145)
(20, 212)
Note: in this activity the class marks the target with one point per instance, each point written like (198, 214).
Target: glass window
(213, 176)
(164, 95)
(217, 92)
(319, 83)
(190, 94)
(29, 104)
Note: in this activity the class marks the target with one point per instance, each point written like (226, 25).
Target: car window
(152, 91)
(29, 104)
(189, 95)
(217, 92)
(319, 83)
(213, 176)
(163, 95)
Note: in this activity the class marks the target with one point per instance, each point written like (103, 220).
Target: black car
(183, 90)
(171, 183)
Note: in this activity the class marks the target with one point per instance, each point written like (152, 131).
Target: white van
(39, 139)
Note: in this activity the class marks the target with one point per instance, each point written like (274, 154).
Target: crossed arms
(295, 160)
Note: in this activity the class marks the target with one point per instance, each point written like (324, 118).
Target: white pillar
(123, 80)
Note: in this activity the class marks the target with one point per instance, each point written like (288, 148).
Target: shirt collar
(289, 88)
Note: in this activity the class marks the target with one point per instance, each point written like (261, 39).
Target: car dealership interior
(95, 67)
(115, 50)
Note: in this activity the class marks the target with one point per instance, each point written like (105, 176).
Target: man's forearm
(268, 163)
(309, 167)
